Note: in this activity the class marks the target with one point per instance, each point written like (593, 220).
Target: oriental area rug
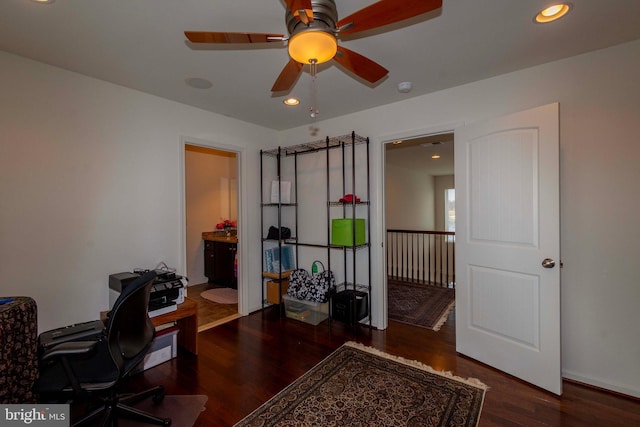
(420, 305)
(362, 386)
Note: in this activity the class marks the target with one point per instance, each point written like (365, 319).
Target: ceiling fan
(314, 30)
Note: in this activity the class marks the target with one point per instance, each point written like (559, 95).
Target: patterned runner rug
(362, 386)
(420, 305)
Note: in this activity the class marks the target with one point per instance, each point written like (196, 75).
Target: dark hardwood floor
(242, 363)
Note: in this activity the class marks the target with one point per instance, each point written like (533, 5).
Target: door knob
(548, 263)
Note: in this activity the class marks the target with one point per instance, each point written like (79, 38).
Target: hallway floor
(211, 313)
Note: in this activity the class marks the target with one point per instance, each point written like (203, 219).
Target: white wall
(410, 196)
(599, 96)
(91, 184)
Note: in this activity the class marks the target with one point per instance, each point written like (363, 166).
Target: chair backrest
(129, 329)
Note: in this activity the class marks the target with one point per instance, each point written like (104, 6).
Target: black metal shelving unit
(351, 145)
(350, 210)
(279, 205)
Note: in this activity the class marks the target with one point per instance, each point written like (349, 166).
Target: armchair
(92, 371)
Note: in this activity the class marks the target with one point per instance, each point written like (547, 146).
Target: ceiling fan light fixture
(306, 46)
(552, 13)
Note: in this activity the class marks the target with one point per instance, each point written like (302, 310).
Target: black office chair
(92, 371)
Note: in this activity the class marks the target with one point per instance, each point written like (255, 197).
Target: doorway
(508, 298)
(420, 229)
(211, 202)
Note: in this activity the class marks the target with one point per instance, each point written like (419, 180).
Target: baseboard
(606, 386)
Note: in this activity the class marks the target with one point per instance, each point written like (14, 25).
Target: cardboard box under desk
(272, 290)
(163, 349)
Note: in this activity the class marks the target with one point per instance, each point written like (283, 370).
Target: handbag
(311, 287)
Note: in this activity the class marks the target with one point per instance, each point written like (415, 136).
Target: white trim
(421, 132)
(241, 159)
(624, 389)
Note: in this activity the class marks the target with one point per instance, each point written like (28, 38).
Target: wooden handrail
(447, 233)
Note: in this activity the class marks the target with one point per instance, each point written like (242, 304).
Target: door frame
(241, 159)
(379, 210)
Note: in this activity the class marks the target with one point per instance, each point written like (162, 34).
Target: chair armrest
(71, 348)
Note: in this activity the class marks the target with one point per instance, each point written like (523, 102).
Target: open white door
(508, 244)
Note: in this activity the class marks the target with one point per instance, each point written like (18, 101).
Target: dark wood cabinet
(208, 259)
(219, 260)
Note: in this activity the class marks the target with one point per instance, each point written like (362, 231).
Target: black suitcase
(87, 331)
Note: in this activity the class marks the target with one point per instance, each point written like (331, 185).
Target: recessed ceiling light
(552, 13)
(198, 83)
(44, 1)
(291, 101)
(435, 156)
(397, 142)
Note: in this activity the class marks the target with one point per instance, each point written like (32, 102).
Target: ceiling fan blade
(385, 12)
(287, 77)
(301, 9)
(214, 37)
(360, 65)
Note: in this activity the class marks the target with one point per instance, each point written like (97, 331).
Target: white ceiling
(140, 44)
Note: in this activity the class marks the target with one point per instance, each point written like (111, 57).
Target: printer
(169, 289)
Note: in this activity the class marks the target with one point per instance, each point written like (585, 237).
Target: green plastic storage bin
(342, 232)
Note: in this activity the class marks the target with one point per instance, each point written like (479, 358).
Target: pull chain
(314, 95)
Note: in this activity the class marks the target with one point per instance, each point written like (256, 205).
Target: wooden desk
(186, 316)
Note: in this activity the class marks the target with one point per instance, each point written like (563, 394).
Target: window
(450, 209)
